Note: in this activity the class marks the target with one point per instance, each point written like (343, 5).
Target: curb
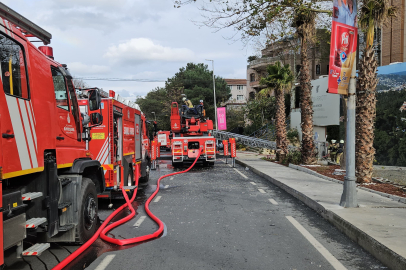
(378, 250)
(386, 195)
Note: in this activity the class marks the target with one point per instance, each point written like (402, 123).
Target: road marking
(253, 183)
(323, 251)
(139, 221)
(157, 199)
(230, 165)
(166, 186)
(241, 173)
(261, 190)
(171, 178)
(105, 262)
(273, 201)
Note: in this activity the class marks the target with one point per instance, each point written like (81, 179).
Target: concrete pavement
(378, 225)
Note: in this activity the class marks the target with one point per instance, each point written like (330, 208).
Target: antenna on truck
(28, 28)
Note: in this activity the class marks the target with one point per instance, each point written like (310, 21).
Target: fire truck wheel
(88, 211)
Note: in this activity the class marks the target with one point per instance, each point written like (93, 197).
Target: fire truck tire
(87, 224)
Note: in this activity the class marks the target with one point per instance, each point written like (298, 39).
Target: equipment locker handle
(60, 138)
(8, 136)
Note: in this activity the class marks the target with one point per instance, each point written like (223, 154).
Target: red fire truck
(120, 142)
(191, 131)
(49, 180)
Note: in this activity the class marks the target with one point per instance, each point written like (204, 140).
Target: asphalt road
(217, 218)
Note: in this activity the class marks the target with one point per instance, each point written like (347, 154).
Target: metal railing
(248, 141)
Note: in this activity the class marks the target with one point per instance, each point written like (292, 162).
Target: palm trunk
(281, 140)
(306, 106)
(365, 116)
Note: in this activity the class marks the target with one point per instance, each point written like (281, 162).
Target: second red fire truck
(191, 131)
(121, 143)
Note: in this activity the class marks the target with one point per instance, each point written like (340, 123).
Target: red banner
(343, 47)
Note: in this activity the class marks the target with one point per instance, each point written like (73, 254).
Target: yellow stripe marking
(22, 172)
(10, 68)
(66, 165)
(130, 153)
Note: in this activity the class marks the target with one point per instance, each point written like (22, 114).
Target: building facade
(239, 94)
(285, 51)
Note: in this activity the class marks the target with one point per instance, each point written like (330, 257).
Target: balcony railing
(264, 60)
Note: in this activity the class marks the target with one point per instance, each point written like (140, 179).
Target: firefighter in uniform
(333, 150)
(340, 151)
(187, 102)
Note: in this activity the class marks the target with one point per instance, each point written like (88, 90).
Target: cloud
(79, 69)
(139, 50)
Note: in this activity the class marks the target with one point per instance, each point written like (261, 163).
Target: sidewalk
(378, 225)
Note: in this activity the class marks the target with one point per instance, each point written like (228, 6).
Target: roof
(236, 81)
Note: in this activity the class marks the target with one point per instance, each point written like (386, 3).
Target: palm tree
(279, 78)
(373, 14)
(304, 23)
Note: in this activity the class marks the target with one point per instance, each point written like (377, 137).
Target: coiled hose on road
(104, 229)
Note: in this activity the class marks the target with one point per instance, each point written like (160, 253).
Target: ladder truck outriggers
(121, 144)
(49, 180)
(191, 131)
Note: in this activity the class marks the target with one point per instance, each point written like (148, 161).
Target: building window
(252, 95)
(240, 97)
(252, 77)
(240, 87)
(317, 69)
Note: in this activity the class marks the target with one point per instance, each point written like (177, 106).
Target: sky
(132, 39)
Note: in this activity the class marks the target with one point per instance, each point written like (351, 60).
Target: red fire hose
(103, 230)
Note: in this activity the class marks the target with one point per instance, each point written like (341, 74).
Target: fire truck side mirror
(94, 100)
(96, 119)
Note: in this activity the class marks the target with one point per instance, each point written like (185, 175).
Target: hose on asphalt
(104, 229)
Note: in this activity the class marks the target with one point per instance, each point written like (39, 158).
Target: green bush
(293, 135)
(294, 157)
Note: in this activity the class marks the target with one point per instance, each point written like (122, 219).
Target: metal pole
(349, 196)
(214, 92)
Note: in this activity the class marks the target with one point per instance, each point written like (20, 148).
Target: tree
(259, 112)
(279, 78)
(194, 80)
(80, 83)
(373, 14)
(156, 101)
(197, 83)
(251, 18)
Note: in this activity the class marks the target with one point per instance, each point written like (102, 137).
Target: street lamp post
(154, 115)
(214, 92)
(349, 196)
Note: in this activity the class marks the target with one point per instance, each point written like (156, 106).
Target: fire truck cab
(49, 180)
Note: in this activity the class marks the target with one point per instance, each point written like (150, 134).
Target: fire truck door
(18, 127)
(138, 137)
(66, 120)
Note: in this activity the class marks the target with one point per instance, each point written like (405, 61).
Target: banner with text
(343, 46)
(221, 118)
